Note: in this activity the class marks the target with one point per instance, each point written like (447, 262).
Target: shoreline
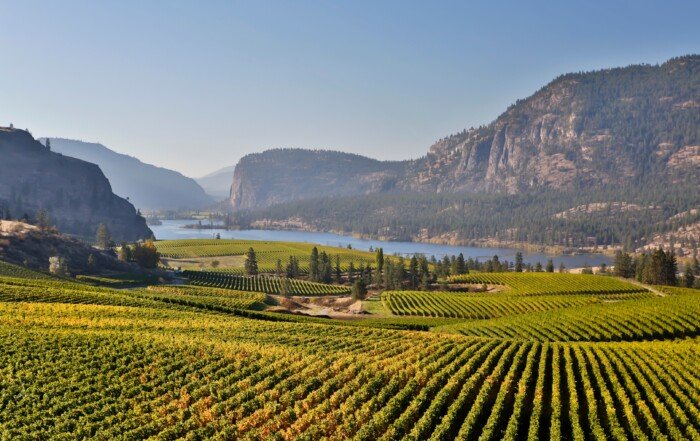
(554, 250)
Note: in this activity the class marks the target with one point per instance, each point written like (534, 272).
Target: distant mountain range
(146, 186)
(582, 130)
(218, 183)
(619, 149)
(76, 194)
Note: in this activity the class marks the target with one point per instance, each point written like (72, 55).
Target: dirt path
(647, 287)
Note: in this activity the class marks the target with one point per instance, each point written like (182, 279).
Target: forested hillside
(586, 219)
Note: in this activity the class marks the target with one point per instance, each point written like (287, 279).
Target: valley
(350, 221)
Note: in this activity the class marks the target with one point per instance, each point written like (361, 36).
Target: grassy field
(194, 254)
(81, 361)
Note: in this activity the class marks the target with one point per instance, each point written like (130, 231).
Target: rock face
(281, 175)
(148, 187)
(581, 130)
(614, 126)
(76, 194)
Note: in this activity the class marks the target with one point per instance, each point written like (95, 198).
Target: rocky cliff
(76, 193)
(583, 130)
(613, 126)
(281, 175)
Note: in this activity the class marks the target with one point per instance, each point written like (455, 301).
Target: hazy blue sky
(194, 86)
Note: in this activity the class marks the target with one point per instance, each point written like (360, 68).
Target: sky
(194, 86)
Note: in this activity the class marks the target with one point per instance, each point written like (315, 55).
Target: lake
(173, 229)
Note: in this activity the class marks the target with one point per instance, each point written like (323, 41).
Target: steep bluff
(282, 175)
(76, 193)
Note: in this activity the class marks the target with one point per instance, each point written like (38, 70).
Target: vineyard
(486, 306)
(203, 362)
(10, 270)
(190, 253)
(134, 373)
(265, 284)
(646, 319)
(550, 283)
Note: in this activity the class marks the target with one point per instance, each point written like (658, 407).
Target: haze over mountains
(218, 184)
(148, 187)
(582, 130)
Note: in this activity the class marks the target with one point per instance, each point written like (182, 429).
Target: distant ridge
(218, 184)
(148, 187)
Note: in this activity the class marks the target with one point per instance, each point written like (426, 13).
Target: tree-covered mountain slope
(632, 125)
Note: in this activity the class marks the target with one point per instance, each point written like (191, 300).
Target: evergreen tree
(518, 262)
(446, 264)
(414, 277)
(538, 267)
(671, 268)
(379, 260)
(278, 268)
(103, 238)
(399, 273)
(285, 289)
(425, 282)
(688, 277)
(351, 272)
(550, 266)
(42, 220)
(337, 271)
(325, 268)
(388, 280)
(251, 263)
(657, 267)
(623, 265)
(314, 265)
(461, 264)
(495, 263)
(359, 290)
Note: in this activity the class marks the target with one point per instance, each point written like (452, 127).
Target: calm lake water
(173, 229)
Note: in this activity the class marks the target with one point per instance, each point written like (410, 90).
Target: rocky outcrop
(281, 175)
(583, 130)
(75, 193)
